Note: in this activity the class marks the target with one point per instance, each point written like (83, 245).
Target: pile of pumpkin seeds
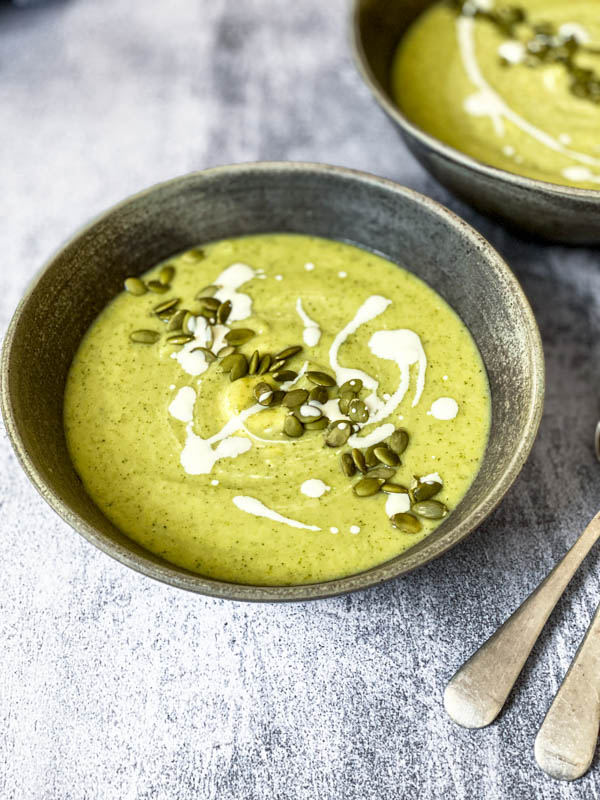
(377, 463)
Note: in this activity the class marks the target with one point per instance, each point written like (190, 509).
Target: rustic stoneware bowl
(557, 213)
(404, 226)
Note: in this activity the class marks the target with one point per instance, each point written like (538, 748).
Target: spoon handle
(566, 741)
(476, 693)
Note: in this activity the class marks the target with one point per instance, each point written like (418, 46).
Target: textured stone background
(113, 686)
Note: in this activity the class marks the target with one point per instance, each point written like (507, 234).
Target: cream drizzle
(313, 487)
(250, 505)
(487, 102)
(229, 281)
(198, 456)
(443, 408)
(182, 405)
(312, 332)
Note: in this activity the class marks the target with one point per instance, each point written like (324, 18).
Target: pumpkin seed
(398, 441)
(195, 254)
(359, 460)
(228, 362)
(179, 338)
(319, 394)
(339, 433)
(386, 456)
(317, 424)
(167, 305)
(371, 459)
(263, 393)
(189, 320)
(393, 488)
(288, 352)
(295, 398)
(166, 275)
(253, 363)
(239, 368)
(285, 375)
(157, 287)
(357, 411)
(277, 364)
(208, 354)
(226, 351)
(367, 487)
(320, 378)
(208, 291)
(424, 490)
(210, 302)
(406, 523)
(308, 413)
(278, 396)
(165, 316)
(430, 509)
(239, 336)
(144, 337)
(353, 386)
(264, 365)
(176, 320)
(382, 472)
(208, 314)
(224, 311)
(344, 403)
(135, 286)
(292, 426)
(348, 465)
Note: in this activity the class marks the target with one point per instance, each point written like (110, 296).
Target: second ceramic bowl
(404, 226)
(557, 213)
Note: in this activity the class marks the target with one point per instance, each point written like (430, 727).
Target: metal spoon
(478, 690)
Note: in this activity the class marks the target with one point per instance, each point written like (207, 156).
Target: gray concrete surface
(112, 686)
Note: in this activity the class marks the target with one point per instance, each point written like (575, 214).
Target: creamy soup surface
(469, 84)
(202, 468)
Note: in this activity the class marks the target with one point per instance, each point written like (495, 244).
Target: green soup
(476, 88)
(211, 474)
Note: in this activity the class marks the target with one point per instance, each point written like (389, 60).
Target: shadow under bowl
(404, 226)
(548, 210)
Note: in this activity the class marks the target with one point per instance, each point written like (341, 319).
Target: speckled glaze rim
(189, 581)
(444, 150)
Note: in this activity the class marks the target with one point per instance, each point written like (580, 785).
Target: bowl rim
(180, 578)
(445, 150)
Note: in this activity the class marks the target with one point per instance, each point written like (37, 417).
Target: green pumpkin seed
(166, 275)
(253, 363)
(386, 456)
(264, 365)
(278, 396)
(406, 523)
(228, 361)
(393, 488)
(165, 316)
(348, 465)
(357, 411)
(293, 427)
(430, 509)
(195, 254)
(224, 311)
(226, 351)
(176, 320)
(167, 305)
(288, 352)
(367, 487)
(210, 302)
(359, 460)
(424, 490)
(189, 320)
(344, 403)
(144, 337)
(352, 386)
(157, 287)
(307, 413)
(382, 472)
(339, 433)
(180, 338)
(317, 424)
(239, 336)
(277, 364)
(285, 375)
(371, 459)
(398, 441)
(295, 398)
(135, 286)
(208, 291)
(239, 368)
(208, 354)
(320, 378)
(319, 394)
(263, 393)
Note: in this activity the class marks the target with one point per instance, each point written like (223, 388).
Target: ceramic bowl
(557, 213)
(406, 227)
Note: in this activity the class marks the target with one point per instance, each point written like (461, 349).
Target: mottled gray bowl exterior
(404, 226)
(557, 213)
